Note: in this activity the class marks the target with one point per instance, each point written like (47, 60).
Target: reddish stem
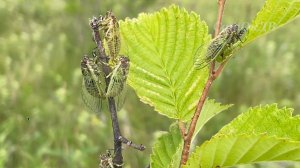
(212, 76)
(221, 4)
(188, 137)
(182, 128)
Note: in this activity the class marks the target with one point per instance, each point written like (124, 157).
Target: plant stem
(118, 138)
(118, 158)
(221, 4)
(188, 137)
(212, 76)
(129, 143)
(182, 128)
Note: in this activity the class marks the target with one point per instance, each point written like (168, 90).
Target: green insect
(222, 45)
(93, 84)
(109, 24)
(118, 77)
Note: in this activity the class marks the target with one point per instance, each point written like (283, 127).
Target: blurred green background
(43, 122)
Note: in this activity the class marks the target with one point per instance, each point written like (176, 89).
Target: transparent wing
(93, 103)
(215, 49)
(120, 99)
(198, 62)
(116, 85)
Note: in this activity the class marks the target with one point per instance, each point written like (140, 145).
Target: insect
(221, 45)
(109, 24)
(118, 77)
(106, 160)
(93, 83)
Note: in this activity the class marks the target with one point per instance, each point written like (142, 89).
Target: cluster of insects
(94, 86)
(222, 45)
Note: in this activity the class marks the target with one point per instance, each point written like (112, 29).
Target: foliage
(43, 122)
(274, 14)
(260, 134)
(167, 149)
(41, 45)
(161, 47)
(156, 81)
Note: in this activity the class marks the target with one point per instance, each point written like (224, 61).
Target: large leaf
(161, 47)
(243, 149)
(167, 149)
(274, 14)
(261, 134)
(266, 120)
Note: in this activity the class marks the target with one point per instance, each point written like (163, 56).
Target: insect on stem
(118, 158)
(192, 126)
(105, 77)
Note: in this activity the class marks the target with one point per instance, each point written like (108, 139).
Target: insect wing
(93, 84)
(93, 103)
(95, 77)
(215, 49)
(120, 99)
(118, 78)
(110, 26)
(116, 83)
(199, 62)
(113, 43)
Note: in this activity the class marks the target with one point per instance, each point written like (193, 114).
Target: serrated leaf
(210, 109)
(268, 120)
(274, 14)
(263, 133)
(161, 47)
(233, 150)
(167, 149)
(173, 140)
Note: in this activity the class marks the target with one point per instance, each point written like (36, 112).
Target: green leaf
(167, 149)
(266, 120)
(274, 14)
(263, 133)
(161, 47)
(210, 109)
(243, 149)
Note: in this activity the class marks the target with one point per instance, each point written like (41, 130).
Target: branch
(182, 128)
(212, 76)
(118, 158)
(188, 137)
(221, 4)
(218, 71)
(118, 138)
(129, 143)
